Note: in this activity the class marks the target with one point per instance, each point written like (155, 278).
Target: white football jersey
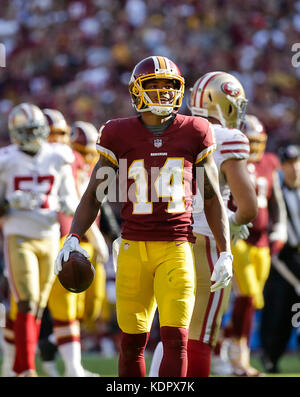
(48, 175)
(231, 144)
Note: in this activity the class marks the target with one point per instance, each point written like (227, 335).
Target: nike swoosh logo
(177, 244)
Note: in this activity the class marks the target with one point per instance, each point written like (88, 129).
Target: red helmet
(255, 131)
(59, 128)
(156, 67)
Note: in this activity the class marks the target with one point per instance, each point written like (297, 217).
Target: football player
(84, 136)
(282, 289)
(37, 182)
(158, 154)
(219, 97)
(252, 257)
(68, 309)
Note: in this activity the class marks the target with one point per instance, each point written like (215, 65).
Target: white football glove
(23, 200)
(238, 232)
(71, 244)
(222, 273)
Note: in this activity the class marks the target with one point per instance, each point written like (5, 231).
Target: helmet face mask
(158, 69)
(28, 127)
(221, 96)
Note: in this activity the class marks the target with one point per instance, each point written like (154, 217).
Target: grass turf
(289, 365)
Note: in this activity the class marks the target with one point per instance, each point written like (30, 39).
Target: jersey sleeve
(208, 143)
(234, 145)
(64, 154)
(106, 143)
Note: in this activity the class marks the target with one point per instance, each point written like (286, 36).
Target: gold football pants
(154, 274)
(251, 266)
(30, 267)
(209, 306)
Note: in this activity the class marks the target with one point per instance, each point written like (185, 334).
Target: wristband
(75, 235)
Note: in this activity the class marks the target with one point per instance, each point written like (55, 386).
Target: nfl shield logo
(157, 143)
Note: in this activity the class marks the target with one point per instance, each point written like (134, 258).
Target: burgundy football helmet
(152, 68)
(84, 136)
(59, 128)
(255, 131)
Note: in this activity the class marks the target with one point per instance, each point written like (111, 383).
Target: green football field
(107, 367)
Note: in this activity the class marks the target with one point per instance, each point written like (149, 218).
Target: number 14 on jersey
(168, 184)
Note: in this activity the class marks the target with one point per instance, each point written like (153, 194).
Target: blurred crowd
(77, 56)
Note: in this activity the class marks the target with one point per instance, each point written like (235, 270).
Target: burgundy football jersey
(261, 174)
(156, 174)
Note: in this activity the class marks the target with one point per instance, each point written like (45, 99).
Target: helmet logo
(157, 143)
(230, 88)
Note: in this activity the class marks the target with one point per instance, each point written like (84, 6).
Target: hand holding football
(77, 273)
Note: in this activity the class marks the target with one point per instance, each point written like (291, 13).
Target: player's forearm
(85, 214)
(243, 216)
(246, 202)
(214, 207)
(242, 190)
(217, 220)
(92, 198)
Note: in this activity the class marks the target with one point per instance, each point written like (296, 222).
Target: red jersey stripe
(235, 143)
(211, 295)
(234, 151)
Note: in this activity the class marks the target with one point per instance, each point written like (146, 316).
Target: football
(77, 273)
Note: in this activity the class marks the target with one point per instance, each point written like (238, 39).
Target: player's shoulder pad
(63, 153)
(7, 151)
(198, 122)
(107, 126)
(232, 143)
(198, 126)
(115, 126)
(225, 135)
